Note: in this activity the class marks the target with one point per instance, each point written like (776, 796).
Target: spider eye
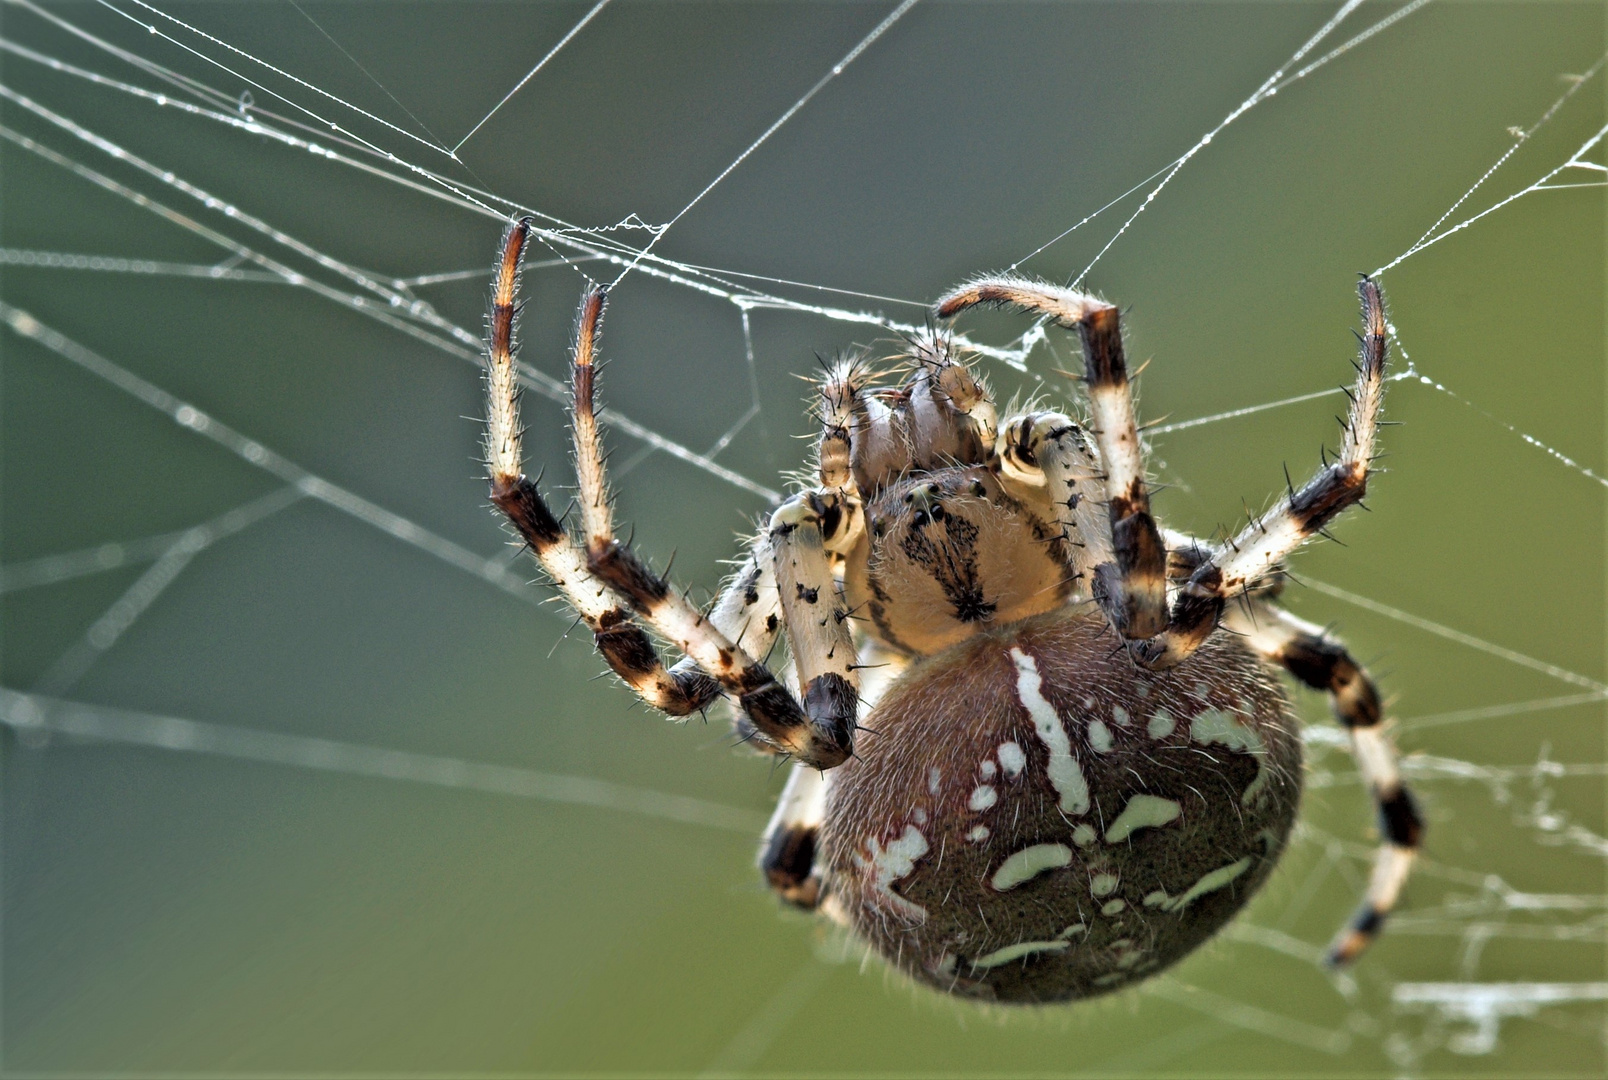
(919, 520)
(979, 490)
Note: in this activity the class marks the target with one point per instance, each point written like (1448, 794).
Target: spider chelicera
(1076, 761)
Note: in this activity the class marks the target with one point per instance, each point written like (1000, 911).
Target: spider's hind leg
(1323, 663)
(787, 853)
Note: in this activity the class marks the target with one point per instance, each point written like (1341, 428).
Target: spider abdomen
(1033, 820)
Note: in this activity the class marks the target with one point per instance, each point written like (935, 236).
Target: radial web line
(407, 306)
(66, 260)
(1511, 655)
(792, 110)
(586, 241)
(492, 570)
(227, 111)
(1266, 90)
(71, 666)
(1227, 1010)
(1272, 86)
(531, 74)
(303, 83)
(35, 715)
(340, 131)
(1523, 136)
(1575, 161)
(366, 73)
(104, 558)
(1351, 43)
(1493, 712)
(1234, 414)
(1557, 455)
(465, 345)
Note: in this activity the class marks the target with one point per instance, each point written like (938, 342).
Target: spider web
(267, 657)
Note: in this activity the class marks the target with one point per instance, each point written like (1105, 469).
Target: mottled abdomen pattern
(1034, 821)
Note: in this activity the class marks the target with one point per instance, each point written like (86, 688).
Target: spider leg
(1132, 585)
(747, 609)
(618, 639)
(603, 565)
(814, 613)
(787, 853)
(1045, 458)
(1323, 663)
(1255, 554)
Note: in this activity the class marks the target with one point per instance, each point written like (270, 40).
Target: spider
(1040, 749)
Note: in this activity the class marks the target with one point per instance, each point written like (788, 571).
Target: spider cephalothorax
(1070, 762)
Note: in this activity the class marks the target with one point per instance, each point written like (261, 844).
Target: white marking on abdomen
(1099, 737)
(1103, 884)
(1217, 726)
(890, 864)
(1011, 759)
(982, 797)
(978, 834)
(1065, 775)
(1029, 863)
(1142, 812)
(1161, 724)
(1016, 952)
(1210, 883)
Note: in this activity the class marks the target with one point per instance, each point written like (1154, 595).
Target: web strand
(1489, 908)
(531, 74)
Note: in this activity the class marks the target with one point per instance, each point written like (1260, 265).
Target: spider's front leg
(1322, 663)
(602, 567)
(1045, 458)
(619, 640)
(1262, 545)
(1131, 583)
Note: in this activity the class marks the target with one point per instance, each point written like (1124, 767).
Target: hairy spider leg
(620, 641)
(748, 609)
(814, 613)
(787, 852)
(1046, 456)
(606, 565)
(1323, 663)
(1132, 586)
(1256, 552)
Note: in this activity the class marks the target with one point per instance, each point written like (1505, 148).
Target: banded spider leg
(1321, 662)
(598, 573)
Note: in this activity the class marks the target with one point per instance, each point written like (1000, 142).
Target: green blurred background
(169, 911)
